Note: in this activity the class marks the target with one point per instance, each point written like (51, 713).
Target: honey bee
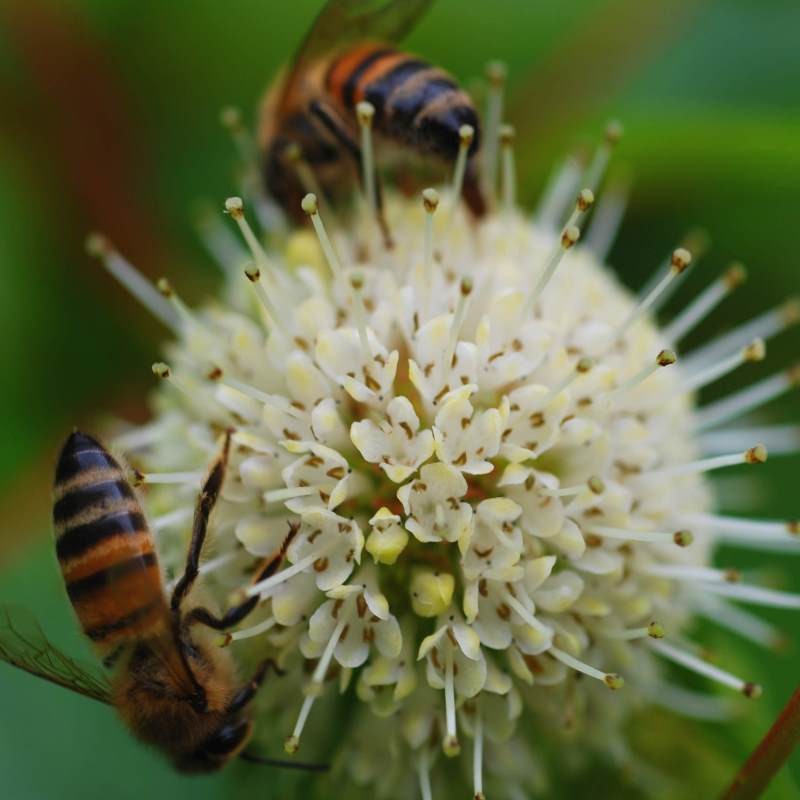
(172, 685)
(349, 57)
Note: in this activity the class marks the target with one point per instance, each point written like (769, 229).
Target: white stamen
(683, 572)
(568, 238)
(525, 614)
(360, 314)
(311, 207)
(560, 190)
(234, 206)
(665, 358)
(694, 705)
(582, 205)
(466, 134)
(509, 177)
(757, 595)
(597, 169)
(610, 679)
(450, 745)
(163, 371)
(255, 630)
(778, 439)
(496, 75)
(365, 113)
(738, 403)
(654, 630)
(276, 321)
(769, 534)
(289, 493)
(681, 538)
(168, 477)
(755, 351)
(701, 667)
(755, 455)
(424, 774)
(679, 262)
(477, 757)
(607, 220)
(133, 280)
(165, 289)
(171, 519)
(594, 484)
(263, 587)
(704, 303)
(764, 326)
(737, 620)
(583, 366)
(430, 202)
(458, 321)
(220, 242)
(293, 742)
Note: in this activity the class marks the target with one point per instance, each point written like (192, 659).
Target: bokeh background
(109, 120)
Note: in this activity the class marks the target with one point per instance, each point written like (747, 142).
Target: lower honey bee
(348, 57)
(173, 687)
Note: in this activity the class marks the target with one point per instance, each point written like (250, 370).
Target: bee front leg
(209, 494)
(233, 616)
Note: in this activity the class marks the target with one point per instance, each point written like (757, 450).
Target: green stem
(770, 755)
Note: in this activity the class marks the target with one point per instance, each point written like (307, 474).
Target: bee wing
(342, 22)
(24, 645)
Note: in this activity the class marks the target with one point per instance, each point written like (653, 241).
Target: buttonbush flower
(497, 472)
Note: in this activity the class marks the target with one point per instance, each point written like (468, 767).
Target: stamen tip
(496, 72)
(309, 204)
(507, 135)
(570, 235)
(451, 746)
(666, 358)
(430, 199)
(97, 245)
(291, 745)
(365, 112)
(235, 207)
(466, 133)
(751, 690)
(735, 276)
(164, 287)
(253, 274)
(683, 538)
(755, 351)
(214, 374)
(466, 286)
(613, 132)
(161, 370)
(655, 630)
(596, 484)
(793, 526)
(791, 311)
(756, 455)
(584, 365)
(681, 259)
(231, 118)
(613, 681)
(585, 199)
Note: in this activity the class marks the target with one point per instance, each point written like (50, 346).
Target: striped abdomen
(104, 547)
(415, 103)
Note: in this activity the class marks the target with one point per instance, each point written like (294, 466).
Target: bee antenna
(284, 763)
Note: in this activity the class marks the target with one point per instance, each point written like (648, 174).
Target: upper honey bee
(173, 687)
(348, 57)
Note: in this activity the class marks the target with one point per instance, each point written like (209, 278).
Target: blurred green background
(110, 121)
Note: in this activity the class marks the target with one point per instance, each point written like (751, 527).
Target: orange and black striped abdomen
(415, 103)
(104, 546)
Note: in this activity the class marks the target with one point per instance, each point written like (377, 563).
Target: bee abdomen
(104, 546)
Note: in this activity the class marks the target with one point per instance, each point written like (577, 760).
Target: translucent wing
(24, 645)
(342, 22)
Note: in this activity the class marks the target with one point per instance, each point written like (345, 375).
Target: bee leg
(248, 691)
(233, 616)
(209, 494)
(336, 126)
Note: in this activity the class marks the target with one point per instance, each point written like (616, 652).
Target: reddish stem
(770, 755)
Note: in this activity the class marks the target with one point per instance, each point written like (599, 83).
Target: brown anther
(214, 374)
(681, 258)
(164, 287)
(751, 690)
(253, 274)
(321, 564)
(504, 612)
(756, 455)
(569, 237)
(683, 538)
(361, 605)
(735, 276)
(613, 132)
(755, 351)
(585, 199)
(430, 200)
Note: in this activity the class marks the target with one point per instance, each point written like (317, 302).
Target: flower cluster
(495, 469)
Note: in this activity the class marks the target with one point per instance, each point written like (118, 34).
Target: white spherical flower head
(463, 472)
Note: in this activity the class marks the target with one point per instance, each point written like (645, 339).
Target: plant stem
(770, 755)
